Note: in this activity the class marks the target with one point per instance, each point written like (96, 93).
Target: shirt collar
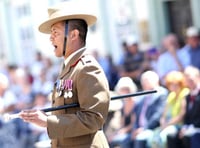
(195, 91)
(71, 55)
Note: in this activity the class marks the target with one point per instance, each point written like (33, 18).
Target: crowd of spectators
(163, 119)
(24, 88)
(170, 118)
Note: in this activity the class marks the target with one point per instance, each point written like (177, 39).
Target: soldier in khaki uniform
(81, 81)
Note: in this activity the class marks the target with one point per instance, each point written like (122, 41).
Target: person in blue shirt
(191, 51)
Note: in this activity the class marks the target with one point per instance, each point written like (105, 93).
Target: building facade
(166, 16)
(20, 38)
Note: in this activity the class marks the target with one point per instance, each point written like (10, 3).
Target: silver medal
(70, 94)
(60, 93)
(65, 95)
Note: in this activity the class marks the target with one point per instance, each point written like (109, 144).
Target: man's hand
(136, 132)
(34, 116)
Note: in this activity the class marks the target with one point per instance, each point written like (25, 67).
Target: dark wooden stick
(134, 94)
(112, 98)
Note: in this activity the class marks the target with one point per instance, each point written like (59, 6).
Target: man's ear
(74, 34)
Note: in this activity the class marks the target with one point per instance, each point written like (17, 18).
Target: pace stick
(8, 117)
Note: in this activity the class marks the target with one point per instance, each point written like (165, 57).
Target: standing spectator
(133, 61)
(101, 59)
(42, 84)
(51, 69)
(169, 60)
(24, 91)
(37, 65)
(152, 56)
(109, 68)
(190, 53)
(124, 52)
(112, 73)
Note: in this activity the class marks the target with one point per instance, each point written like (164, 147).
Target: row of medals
(64, 86)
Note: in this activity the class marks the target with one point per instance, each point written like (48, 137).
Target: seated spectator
(174, 110)
(124, 86)
(37, 133)
(7, 98)
(24, 91)
(149, 110)
(41, 83)
(188, 136)
(8, 130)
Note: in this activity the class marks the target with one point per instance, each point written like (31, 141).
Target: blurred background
(28, 67)
(148, 20)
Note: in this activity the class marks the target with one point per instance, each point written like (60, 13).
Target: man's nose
(51, 37)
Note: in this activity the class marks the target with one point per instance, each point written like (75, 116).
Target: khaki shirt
(82, 81)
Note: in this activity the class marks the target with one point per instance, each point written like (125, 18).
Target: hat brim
(45, 27)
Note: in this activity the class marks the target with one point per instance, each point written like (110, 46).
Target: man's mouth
(55, 46)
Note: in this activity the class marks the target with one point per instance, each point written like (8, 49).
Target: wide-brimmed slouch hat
(67, 11)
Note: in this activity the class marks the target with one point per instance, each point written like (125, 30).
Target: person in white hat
(81, 81)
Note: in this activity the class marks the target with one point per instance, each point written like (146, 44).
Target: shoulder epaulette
(86, 59)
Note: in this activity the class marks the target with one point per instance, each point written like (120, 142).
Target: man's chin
(57, 54)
